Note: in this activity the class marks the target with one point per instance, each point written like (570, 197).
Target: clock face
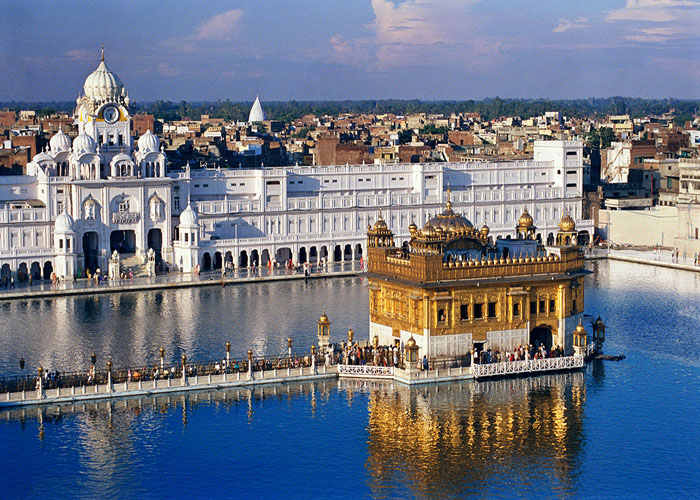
(110, 114)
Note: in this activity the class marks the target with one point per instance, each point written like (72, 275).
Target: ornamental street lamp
(162, 356)
(289, 346)
(184, 369)
(250, 364)
(40, 382)
(93, 358)
(109, 375)
(351, 335)
(228, 353)
(21, 363)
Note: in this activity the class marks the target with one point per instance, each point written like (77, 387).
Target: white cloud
(222, 26)
(80, 54)
(429, 33)
(656, 11)
(566, 24)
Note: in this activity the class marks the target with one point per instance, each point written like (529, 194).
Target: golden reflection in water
(442, 437)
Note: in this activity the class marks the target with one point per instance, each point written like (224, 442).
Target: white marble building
(81, 200)
(307, 213)
(99, 190)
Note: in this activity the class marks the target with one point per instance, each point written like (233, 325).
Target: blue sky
(369, 49)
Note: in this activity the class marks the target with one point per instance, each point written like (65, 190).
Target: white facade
(307, 213)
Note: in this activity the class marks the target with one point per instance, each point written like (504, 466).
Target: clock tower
(102, 112)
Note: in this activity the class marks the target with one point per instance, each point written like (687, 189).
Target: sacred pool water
(618, 429)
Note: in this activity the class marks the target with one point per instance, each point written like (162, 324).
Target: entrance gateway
(541, 335)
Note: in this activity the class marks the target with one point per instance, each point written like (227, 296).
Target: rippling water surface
(627, 429)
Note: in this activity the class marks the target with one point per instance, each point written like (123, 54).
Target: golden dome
(412, 228)
(525, 220)
(580, 328)
(567, 223)
(380, 224)
(323, 318)
(411, 342)
(448, 222)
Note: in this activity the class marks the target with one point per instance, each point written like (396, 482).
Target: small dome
(103, 85)
(323, 318)
(84, 144)
(119, 157)
(149, 142)
(525, 220)
(43, 156)
(60, 142)
(412, 228)
(411, 342)
(485, 230)
(64, 223)
(567, 223)
(256, 112)
(380, 224)
(580, 328)
(189, 217)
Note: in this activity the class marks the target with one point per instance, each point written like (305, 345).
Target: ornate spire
(448, 205)
(103, 52)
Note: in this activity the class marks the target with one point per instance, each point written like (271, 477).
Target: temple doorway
(541, 335)
(90, 250)
(123, 241)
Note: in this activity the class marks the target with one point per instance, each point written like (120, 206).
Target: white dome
(43, 156)
(256, 112)
(84, 144)
(189, 217)
(119, 157)
(149, 142)
(64, 223)
(60, 142)
(103, 85)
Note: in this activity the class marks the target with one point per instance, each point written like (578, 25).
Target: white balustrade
(527, 366)
(365, 371)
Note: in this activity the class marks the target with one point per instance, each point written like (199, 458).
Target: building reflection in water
(441, 439)
(434, 440)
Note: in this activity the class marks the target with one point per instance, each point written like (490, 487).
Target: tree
(405, 136)
(607, 136)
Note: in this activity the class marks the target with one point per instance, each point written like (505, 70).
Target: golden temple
(453, 288)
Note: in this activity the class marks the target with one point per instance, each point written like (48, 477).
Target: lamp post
(40, 383)
(289, 347)
(351, 335)
(109, 375)
(184, 369)
(228, 353)
(21, 363)
(162, 358)
(313, 358)
(250, 364)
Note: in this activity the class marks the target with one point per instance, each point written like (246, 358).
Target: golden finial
(103, 52)
(380, 213)
(449, 202)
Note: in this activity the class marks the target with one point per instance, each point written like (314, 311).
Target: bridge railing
(527, 366)
(63, 380)
(365, 370)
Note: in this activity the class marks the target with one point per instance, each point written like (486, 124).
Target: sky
(353, 49)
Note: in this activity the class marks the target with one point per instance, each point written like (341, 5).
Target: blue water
(618, 430)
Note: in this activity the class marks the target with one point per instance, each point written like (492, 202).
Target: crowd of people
(521, 353)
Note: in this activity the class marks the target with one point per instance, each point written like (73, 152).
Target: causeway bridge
(123, 383)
